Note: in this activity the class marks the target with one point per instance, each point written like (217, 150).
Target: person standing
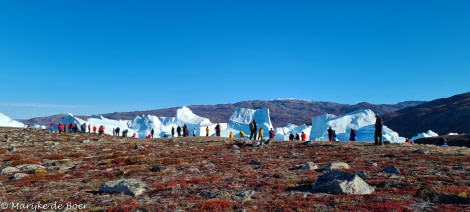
(304, 136)
(291, 137)
(207, 131)
(194, 132)
(331, 136)
(172, 132)
(242, 134)
(101, 130)
(187, 132)
(272, 133)
(94, 129)
(178, 130)
(352, 135)
(151, 132)
(260, 133)
(217, 130)
(378, 130)
(89, 131)
(231, 135)
(253, 130)
(60, 127)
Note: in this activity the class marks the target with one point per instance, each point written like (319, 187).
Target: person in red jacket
(61, 127)
(101, 130)
(94, 129)
(304, 136)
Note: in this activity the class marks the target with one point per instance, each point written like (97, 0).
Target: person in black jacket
(331, 136)
(178, 130)
(291, 137)
(378, 130)
(253, 129)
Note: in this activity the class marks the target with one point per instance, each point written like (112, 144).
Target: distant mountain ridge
(282, 111)
(443, 116)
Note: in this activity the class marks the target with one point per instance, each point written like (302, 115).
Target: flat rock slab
(9, 170)
(127, 186)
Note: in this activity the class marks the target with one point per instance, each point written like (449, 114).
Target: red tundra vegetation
(215, 174)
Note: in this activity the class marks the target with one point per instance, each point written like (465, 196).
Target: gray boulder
(309, 166)
(336, 166)
(127, 186)
(338, 182)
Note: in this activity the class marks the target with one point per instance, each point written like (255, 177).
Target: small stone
(337, 165)
(422, 151)
(391, 170)
(158, 168)
(371, 164)
(194, 170)
(210, 164)
(18, 176)
(246, 194)
(309, 166)
(253, 162)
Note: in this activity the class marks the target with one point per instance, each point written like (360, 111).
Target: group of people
(353, 132)
(297, 137)
(254, 132)
(72, 127)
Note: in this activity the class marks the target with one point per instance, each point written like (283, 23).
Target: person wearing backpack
(253, 130)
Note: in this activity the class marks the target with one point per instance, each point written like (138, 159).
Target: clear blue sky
(89, 57)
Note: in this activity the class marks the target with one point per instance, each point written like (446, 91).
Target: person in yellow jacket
(207, 131)
(242, 134)
(231, 136)
(260, 133)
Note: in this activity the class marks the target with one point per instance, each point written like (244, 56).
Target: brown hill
(443, 116)
(282, 111)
